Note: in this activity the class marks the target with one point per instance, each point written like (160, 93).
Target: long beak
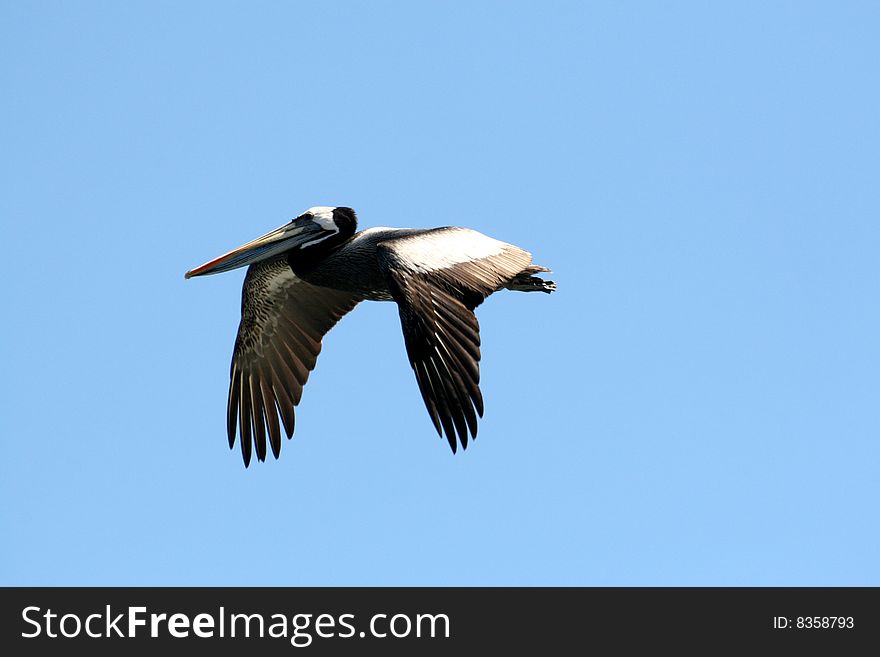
(279, 240)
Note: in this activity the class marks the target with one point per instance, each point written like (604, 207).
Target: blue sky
(696, 405)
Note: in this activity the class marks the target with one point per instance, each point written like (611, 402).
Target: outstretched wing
(437, 278)
(283, 320)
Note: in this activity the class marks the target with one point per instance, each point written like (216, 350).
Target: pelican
(304, 276)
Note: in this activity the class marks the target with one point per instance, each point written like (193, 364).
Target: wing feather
(232, 406)
(283, 320)
(270, 412)
(244, 421)
(437, 278)
(257, 418)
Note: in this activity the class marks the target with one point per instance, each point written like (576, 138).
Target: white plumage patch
(323, 215)
(446, 248)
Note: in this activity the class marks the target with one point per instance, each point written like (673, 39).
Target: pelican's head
(320, 226)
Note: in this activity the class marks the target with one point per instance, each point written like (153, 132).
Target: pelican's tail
(525, 282)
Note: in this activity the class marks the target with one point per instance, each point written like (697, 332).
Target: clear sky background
(699, 403)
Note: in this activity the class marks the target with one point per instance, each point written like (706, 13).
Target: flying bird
(304, 276)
